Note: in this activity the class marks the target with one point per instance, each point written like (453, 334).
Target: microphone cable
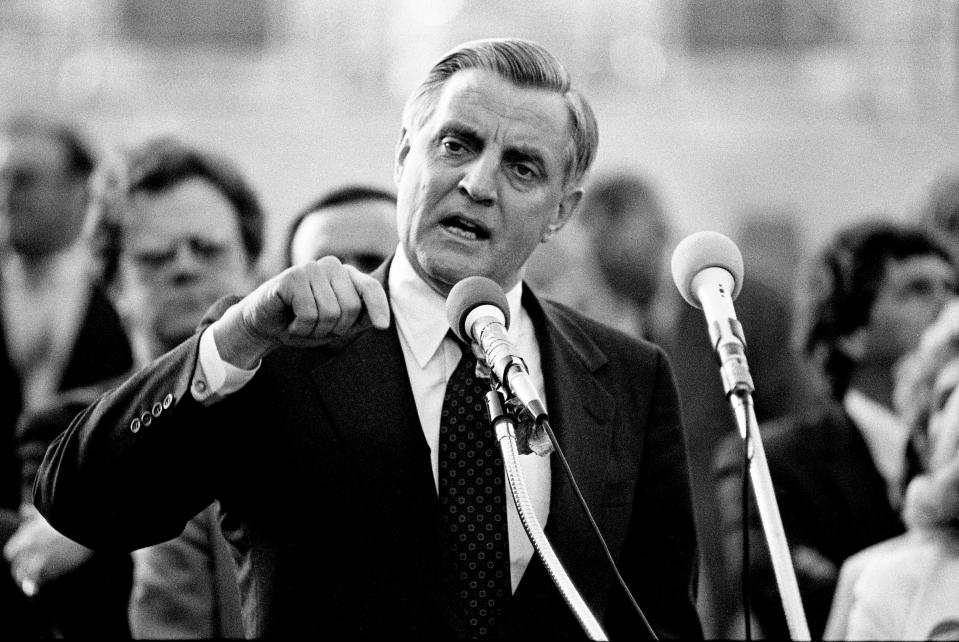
(747, 618)
(595, 528)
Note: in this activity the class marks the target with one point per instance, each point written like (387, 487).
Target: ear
(853, 345)
(402, 150)
(567, 207)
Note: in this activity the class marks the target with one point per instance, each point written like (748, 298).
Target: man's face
(910, 298)
(42, 201)
(182, 250)
(482, 179)
(359, 233)
(631, 252)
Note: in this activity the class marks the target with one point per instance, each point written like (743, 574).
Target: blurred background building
(823, 108)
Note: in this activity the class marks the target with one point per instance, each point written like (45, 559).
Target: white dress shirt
(419, 313)
(885, 436)
(42, 307)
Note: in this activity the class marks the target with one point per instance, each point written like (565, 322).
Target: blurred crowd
(109, 258)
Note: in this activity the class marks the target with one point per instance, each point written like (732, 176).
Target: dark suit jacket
(831, 497)
(91, 600)
(326, 491)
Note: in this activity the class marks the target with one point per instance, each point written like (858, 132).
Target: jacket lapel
(581, 413)
(365, 388)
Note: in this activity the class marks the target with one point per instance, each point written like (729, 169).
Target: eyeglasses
(204, 250)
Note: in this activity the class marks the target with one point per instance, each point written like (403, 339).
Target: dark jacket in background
(91, 600)
(831, 497)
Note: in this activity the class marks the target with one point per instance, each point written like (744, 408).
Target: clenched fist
(303, 306)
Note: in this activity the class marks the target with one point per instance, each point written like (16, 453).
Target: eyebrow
(525, 154)
(515, 153)
(460, 130)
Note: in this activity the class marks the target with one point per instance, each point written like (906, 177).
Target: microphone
(478, 313)
(708, 271)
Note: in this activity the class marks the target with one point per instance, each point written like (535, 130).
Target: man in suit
(839, 469)
(58, 331)
(175, 228)
(317, 408)
(355, 223)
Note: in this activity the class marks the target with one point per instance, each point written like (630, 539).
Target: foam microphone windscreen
(704, 250)
(466, 296)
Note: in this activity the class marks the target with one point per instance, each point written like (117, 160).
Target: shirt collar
(420, 311)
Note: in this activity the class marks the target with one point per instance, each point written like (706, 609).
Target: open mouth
(464, 228)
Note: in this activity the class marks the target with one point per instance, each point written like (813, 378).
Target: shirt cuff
(214, 378)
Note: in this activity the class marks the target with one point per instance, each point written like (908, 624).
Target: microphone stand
(505, 429)
(738, 384)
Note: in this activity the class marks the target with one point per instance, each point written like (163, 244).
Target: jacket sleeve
(137, 464)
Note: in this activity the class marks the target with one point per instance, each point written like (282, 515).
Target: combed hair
(155, 166)
(840, 288)
(523, 63)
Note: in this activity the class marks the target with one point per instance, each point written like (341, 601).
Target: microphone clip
(531, 437)
(729, 343)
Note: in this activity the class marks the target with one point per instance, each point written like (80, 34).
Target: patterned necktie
(472, 496)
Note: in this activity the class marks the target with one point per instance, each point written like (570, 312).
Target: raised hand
(303, 306)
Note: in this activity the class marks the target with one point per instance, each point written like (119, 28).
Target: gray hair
(523, 63)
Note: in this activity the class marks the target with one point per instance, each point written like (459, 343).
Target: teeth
(466, 234)
(463, 228)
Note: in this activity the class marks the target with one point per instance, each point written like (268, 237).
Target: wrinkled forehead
(498, 111)
(486, 93)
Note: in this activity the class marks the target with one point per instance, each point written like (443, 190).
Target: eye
(453, 146)
(205, 249)
(524, 171)
(153, 259)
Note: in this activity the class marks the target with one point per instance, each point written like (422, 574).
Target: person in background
(838, 467)
(58, 332)
(355, 223)
(611, 261)
(174, 228)
(905, 588)
(183, 228)
(612, 265)
(330, 411)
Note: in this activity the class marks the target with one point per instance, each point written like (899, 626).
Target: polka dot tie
(472, 496)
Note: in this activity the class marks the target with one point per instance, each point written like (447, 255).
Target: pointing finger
(374, 298)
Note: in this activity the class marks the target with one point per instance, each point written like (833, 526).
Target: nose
(186, 266)
(479, 180)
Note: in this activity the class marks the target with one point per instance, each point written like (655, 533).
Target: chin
(447, 273)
